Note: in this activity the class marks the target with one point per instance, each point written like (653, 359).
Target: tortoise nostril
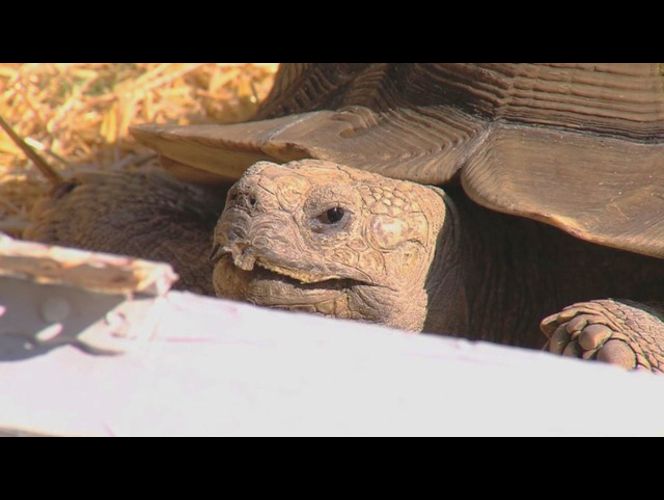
(243, 199)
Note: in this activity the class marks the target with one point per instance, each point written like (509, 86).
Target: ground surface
(78, 115)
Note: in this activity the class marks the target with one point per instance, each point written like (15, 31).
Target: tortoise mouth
(264, 272)
(267, 287)
(256, 265)
(262, 269)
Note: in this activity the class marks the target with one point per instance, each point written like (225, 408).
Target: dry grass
(78, 115)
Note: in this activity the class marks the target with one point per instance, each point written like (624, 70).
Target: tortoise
(490, 201)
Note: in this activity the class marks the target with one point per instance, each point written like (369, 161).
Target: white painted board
(213, 367)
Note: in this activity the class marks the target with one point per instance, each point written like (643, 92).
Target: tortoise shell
(578, 146)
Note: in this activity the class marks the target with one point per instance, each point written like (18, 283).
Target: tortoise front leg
(618, 332)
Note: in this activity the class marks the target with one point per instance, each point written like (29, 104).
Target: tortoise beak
(243, 255)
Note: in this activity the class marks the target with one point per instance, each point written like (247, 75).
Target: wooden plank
(104, 273)
(213, 367)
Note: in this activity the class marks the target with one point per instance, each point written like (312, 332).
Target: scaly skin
(410, 257)
(276, 247)
(143, 214)
(622, 333)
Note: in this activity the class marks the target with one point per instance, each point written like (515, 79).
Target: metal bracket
(35, 318)
(52, 296)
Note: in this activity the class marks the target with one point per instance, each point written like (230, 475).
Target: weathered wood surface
(104, 273)
(212, 367)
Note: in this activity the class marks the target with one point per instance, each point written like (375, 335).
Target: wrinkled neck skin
(494, 277)
(433, 262)
(448, 301)
(477, 287)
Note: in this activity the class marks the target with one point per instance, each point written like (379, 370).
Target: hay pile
(78, 115)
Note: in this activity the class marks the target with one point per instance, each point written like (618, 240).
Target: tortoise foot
(622, 333)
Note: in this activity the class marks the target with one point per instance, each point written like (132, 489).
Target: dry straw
(78, 115)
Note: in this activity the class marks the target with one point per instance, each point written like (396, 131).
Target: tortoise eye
(332, 215)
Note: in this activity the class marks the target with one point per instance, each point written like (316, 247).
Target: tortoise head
(317, 236)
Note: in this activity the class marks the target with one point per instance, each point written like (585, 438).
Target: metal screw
(55, 310)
